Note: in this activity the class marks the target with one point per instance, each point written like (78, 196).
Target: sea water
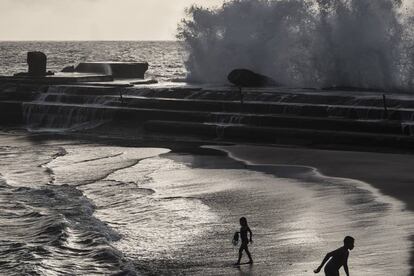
(165, 58)
(71, 206)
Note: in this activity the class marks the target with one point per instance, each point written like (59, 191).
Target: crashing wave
(317, 43)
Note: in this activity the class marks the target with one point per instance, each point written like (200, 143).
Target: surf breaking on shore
(153, 211)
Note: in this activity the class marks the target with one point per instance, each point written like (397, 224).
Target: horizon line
(89, 40)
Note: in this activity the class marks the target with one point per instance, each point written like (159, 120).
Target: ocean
(165, 58)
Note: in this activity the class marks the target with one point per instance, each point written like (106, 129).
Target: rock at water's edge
(248, 78)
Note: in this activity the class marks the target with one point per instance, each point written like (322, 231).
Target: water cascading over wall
(317, 43)
(59, 110)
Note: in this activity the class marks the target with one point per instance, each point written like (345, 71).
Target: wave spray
(315, 43)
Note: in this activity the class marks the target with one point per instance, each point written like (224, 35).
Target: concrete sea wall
(264, 115)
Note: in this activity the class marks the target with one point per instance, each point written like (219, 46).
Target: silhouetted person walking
(244, 240)
(337, 259)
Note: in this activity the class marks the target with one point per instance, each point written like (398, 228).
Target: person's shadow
(245, 270)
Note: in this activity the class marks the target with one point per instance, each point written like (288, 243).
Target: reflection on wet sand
(197, 200)
(169, 213)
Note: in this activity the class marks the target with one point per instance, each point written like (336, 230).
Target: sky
(93, 19)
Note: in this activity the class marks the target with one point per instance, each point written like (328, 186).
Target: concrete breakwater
(270, 115)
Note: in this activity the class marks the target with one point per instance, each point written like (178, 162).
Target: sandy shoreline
(301, 215)
(391, 174)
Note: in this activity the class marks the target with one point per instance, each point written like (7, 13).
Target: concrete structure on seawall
(126, 70)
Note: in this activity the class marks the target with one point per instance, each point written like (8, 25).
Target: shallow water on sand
(88, 208)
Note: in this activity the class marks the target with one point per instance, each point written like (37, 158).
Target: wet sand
(392, 174)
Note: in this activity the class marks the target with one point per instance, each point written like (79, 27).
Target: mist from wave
(317, 43)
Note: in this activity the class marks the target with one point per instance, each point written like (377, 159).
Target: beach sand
(392, 174)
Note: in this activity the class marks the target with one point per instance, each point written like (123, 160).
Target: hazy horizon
(93, 20)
